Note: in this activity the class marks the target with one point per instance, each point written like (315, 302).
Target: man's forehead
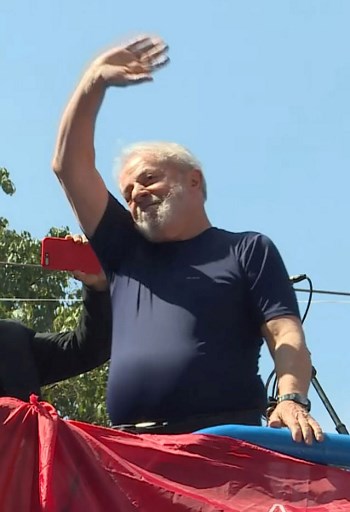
(140, 164)
(137, 164)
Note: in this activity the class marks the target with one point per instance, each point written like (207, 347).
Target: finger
(160, 62)
(296, 431)
(275, 421)
(143, 44)
(137, 78)
(155, 58)
(138, 42)
(317, 430)
(79, 275)
(298, 424)
(305, 429)
(154, 52)
(290, 421)
(78, 239)
(284, 418)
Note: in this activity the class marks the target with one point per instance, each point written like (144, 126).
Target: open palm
(133, 62)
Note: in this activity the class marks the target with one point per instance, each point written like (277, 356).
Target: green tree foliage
(23, 284)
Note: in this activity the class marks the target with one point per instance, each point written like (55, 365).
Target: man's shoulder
(239, 237)
(243, 244)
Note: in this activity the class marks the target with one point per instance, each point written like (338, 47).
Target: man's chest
(197, 286)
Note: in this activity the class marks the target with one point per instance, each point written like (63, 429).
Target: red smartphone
(65, 254)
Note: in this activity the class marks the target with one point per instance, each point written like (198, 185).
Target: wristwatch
(297, 398)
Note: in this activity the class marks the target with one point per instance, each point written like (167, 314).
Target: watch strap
(297, 398)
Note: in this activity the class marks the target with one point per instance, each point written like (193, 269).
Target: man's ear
(196, 179)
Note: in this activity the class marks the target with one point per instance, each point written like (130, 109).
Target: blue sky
(257, 90)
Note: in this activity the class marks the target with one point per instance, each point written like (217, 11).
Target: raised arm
(74, 157)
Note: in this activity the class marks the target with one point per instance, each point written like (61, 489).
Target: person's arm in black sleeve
(63, 355)
(18, 370)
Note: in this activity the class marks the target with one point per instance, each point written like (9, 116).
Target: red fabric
(52, 465)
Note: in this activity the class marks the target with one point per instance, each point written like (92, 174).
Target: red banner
(52, 465)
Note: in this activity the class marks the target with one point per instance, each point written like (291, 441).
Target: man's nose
(138, 193)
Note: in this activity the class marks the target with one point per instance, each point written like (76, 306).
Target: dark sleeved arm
(269, 286)
(63, 355)
(18, 370)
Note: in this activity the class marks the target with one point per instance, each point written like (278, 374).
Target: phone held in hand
(65, 254)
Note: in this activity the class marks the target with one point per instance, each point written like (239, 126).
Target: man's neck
(190, 230)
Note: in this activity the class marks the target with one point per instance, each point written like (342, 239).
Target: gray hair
(163, 152)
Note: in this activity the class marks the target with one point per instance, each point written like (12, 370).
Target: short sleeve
(270, 289)
(115, 236)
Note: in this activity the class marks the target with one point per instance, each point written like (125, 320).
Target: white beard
(153, 221)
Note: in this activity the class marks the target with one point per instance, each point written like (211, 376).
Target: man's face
(156, 195)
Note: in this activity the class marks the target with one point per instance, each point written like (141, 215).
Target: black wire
(311, 291)
(269, 379)
(324, 292)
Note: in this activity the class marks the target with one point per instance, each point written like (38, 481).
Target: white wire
(35, 265)
(15, 299)
(325, 301)
(14, 264)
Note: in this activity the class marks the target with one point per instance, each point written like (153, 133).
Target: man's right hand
(74, 156)
(130, 63)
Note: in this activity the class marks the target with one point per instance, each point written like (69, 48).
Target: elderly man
(192, 302)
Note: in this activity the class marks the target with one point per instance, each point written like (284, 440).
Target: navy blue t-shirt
(187, 319)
